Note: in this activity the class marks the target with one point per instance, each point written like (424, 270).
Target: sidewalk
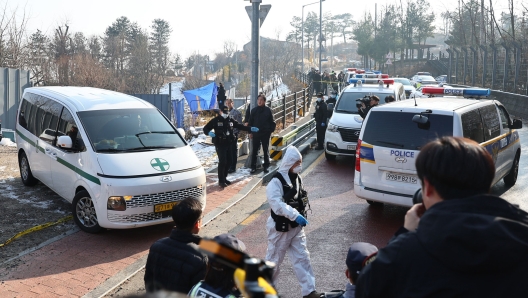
(82, 264)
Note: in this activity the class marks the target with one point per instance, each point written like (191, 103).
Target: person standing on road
(285, 225)
(219, 282)
(221, 96)
(320, 117)
(316, 82)
(223, 138)
(461, 241)
(237, 116)
(175, 263)
(261, 117)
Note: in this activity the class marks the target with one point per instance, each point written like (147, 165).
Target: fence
(502, 67)
(12, 85)
(160, 101)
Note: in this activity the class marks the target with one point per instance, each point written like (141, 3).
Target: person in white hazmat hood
(285, 225)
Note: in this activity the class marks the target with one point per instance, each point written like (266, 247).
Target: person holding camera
(365, 104)
(461, 241)
(320, 117)
(288, 201)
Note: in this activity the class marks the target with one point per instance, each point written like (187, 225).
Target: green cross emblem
(159, 164)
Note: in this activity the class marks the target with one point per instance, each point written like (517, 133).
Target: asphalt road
(337, 220)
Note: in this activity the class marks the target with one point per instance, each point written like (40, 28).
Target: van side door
(506, 151)
(493, 138)
(66, 164)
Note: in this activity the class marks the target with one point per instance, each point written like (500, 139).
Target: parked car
(441, 79)
(419, 80)
(409, 88)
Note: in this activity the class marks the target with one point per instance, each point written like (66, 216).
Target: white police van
(344, 126)
(392, 136)
(119, 161)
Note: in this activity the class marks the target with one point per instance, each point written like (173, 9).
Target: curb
(115, 281)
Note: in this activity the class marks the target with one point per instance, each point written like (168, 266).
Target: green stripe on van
(63, 162)
(79, 171)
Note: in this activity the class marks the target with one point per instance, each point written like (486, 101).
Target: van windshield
(347, 101)
(129, 130)
(397, 130)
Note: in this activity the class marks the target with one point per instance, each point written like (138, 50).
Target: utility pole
(320, 33)
(257, 17)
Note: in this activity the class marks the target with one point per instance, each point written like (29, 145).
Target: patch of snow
(2, 168)
(7, 142)
(8, 192)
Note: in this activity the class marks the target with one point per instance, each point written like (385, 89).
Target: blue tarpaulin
(203, 98)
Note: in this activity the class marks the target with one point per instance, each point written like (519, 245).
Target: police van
(343, 127)
(115, 157)
(392, 136)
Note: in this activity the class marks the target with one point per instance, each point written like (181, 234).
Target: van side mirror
(64, 142)
(517, 124)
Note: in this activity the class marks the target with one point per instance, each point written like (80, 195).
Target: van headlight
(117, 203)
(332, 127)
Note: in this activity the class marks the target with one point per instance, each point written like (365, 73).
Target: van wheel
(375, 204)
(330, 157)
(511, 178)
(84, 214)
(25, 170)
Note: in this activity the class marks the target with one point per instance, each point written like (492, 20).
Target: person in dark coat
(223, 137)
(317, 82)
(175, 263)
(461, 241)
(236, 115)
(320, 120)
(221, 97)
(261, 117)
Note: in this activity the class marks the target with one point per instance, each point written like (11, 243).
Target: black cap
(320, 94)
(359, 255)
(225, 109)
(231, 241)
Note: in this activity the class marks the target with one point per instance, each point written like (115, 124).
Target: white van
(115, 157)
(343, 127)
(392, 136)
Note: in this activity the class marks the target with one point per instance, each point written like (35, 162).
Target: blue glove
(212, 134)
(301, 220)
(254, 129)
(323, 124)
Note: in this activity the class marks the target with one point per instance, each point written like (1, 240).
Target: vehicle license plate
(351, 147)
(164, 207)
(401, 178)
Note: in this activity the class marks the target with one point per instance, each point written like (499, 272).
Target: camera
(365, 100)
(417, 197)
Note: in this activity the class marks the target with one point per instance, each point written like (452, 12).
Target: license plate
(401, 178)
(351, 147)
(164, 207)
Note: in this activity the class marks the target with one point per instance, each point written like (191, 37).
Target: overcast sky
(198, 25)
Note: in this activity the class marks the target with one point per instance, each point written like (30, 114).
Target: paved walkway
(78, 263)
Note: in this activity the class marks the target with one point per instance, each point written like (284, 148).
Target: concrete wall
(12, 85)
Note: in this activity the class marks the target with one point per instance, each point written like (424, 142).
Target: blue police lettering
(402, 153)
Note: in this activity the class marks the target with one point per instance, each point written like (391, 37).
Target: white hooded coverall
(293, 241)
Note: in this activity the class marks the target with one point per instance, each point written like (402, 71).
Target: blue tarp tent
(203, 98)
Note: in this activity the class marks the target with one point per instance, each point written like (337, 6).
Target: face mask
(319, 99)
(224, 115)
(297, 169)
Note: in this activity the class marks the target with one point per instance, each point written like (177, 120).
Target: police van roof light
(470, 92)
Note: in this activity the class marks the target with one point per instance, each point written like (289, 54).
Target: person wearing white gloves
(285, 225)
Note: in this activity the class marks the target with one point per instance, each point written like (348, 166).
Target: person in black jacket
(363, 111)
(317, 82)
(461, 241)
(221, 97)
(223, 137)
(175, 263)
(262, 118)
(320, 117)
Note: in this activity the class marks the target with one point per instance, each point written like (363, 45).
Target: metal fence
(496, 66)
(160, 101)
(12, 85)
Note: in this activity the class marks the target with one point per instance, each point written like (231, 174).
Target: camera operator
(461, 241)
(366, 103)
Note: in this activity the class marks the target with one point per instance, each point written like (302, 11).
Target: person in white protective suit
(289, 237)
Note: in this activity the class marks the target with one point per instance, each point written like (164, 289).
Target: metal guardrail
(293, 138)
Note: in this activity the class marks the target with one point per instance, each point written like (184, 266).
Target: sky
(198, 25)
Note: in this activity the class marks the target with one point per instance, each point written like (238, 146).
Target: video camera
(253, 276)
(365, 100)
